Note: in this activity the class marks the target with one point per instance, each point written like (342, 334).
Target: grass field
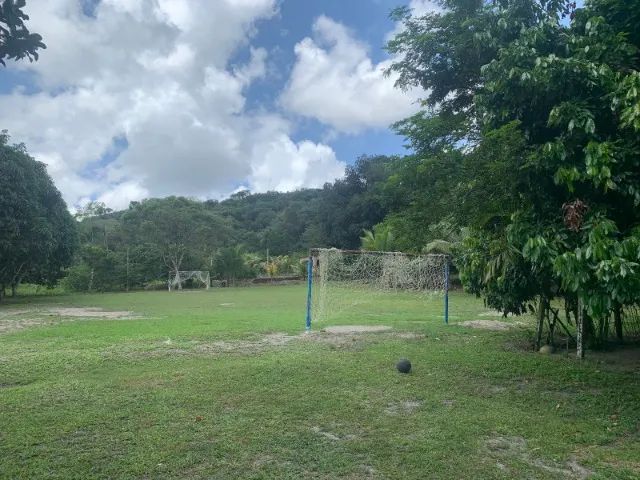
(223, 384)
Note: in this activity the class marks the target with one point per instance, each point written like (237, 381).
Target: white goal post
(182, 276)
(340, 279)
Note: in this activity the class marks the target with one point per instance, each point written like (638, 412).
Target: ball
(404, 366)
(546, 349)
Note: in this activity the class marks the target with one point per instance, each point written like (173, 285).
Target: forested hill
(141, 244)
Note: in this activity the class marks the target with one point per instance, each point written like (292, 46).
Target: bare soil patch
(347, 329)
(12, 320)
(505, 448)
(258, 344)
(487, 325)
(494, 313)
(406, 407)
(91, 312)
(13, 325)
(332, 436)
(246, 346)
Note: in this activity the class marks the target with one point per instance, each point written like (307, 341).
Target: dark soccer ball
(404, 366)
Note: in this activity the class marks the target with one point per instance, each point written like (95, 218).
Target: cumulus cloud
(157, 74)
(335, 81)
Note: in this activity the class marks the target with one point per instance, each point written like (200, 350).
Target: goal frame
(182, 276)
(314, 252)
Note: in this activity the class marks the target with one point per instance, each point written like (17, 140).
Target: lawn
(224, 384)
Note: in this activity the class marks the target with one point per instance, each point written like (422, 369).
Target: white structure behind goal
(342, 279)
(198, 276)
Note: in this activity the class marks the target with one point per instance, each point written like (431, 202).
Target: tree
(16, 42)
(183, 231)
(546, 117)
(37, 233)
(229, 264)
(380, 239)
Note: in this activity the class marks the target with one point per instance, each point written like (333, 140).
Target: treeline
(141, 246)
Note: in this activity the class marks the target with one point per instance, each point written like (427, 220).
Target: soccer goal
(339, 281)
(198, 277)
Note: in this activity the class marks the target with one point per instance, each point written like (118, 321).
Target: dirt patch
(255, 344)
(12, 312)
(409, 335)
(626, 358)
(91, 312)
(246, 346)
(21, 323)
(505, 448)
(403, 408)
(18, 319)
(494, 313)
(332, 436)
(347, 329)
(487, 325)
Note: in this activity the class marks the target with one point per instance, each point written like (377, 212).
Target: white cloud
(156, 73)
(308, 164)
(335, 82)
(120, 195)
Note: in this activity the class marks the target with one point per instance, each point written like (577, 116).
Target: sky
(202, 98)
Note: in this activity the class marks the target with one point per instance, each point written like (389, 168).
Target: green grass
(192, 390)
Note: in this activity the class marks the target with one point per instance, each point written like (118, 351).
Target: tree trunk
(617, 321)
(127, 279)
(178, 279)
(90, 287)
(552, 328)
(603, 331)
(15, 281)
(540, 324)
(580, 331)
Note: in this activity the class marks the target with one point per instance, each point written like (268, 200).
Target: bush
(78, 278)
(156, 285)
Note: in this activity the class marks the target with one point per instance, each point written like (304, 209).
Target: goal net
(344, 283)
(197, 277)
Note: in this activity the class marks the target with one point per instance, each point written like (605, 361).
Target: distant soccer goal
(198, 277)
(340, 281)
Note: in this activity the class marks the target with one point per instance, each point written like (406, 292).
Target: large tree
(185, 232)
(37, 233)
(545, 116)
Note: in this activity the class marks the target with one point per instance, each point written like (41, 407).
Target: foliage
(37, 233)
(16, 42)
(174, 233)
(184, 232)
(379, 239)
(229, 264)
(530, 136)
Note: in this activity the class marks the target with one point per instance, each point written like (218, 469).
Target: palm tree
(379, 239)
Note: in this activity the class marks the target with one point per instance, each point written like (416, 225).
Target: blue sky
(139, 98)
(370, 23)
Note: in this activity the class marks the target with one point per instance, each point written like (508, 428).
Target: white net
(349, 281)
(198, 277)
